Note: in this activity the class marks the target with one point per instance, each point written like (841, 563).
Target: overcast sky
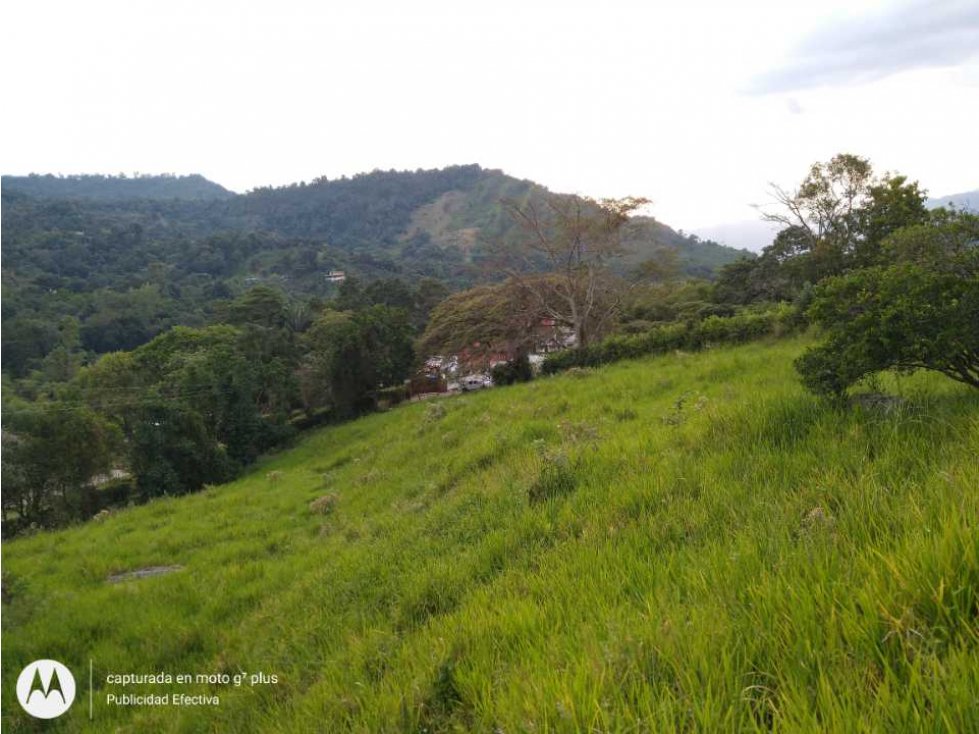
(696, 105)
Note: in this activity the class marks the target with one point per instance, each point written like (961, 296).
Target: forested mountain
(109, 262)
(117, 188)
(966, 200)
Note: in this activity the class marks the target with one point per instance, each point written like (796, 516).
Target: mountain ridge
(113, 262)
(102, 187)
(407, 215)
(962, 200)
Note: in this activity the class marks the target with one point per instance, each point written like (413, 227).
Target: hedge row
(743, 327)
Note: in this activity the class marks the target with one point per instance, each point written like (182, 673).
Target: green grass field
(687, 542)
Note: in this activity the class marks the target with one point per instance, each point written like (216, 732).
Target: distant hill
(456, 210)
(117, 188)
(379, 224)
(965, 200)
(130, 257)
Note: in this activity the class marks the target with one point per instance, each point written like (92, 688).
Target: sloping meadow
(686, 542)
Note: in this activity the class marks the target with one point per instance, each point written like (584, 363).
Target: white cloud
(871, 46)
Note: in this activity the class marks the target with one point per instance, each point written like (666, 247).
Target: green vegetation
(201, 327)
(892, 284)
(685, 542)
(747, 325)
(128, 258)
(578, 243)
(118, 188)
(195, 405)
(916, 306)
(834, 223)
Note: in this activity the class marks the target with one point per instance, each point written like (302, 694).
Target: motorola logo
(45, 689)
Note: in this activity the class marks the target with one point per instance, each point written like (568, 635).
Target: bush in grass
(443, 700)
(324, 505)
(555, 476)
(517, 370)
(434, 412)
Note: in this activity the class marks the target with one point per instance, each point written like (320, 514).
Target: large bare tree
(560, 260)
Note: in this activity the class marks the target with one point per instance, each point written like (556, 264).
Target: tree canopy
(920, 311)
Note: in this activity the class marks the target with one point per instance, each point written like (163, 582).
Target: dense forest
(118, 188)
(124, 259)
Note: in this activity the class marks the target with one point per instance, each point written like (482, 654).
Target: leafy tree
(261, 306)
(825, 210)
(351, 296)
(921, 311)
(350, 355)
(203, 388)
(267, 339)
(764, 278)
(891, 204)
(486, 319)
(172, 452)
(51, 453)
(355, 296)
(833, 223)
(330, 371)
(386, 336)
(62, 362)
(26, 341)
(390, 292)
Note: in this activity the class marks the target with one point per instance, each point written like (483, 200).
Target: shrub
(434, 412)
(324, 505)
(920, 311)
(517, 370)
(555, 476)
(389, 396)
(745, 326)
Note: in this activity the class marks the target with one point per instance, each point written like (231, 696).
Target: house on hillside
(550, 336)
(469, 369)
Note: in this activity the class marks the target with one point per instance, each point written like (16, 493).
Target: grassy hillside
(685, 542)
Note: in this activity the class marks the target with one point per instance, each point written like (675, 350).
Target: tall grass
(687, 542)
